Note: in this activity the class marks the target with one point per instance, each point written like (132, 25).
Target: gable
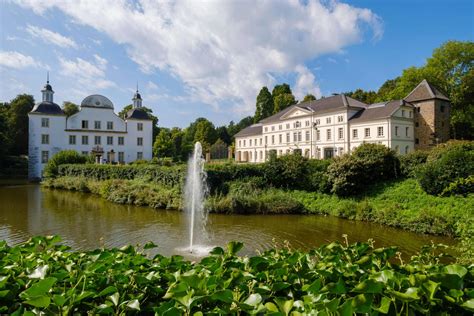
(295, 112)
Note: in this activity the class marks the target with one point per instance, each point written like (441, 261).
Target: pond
(86, 222)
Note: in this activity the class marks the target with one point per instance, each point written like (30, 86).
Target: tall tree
(70, 108)
(264, 105)
(205, 134)
(308, 97)
(368, 97)
(163, 145)
(5, 141)
(18, 122)
(383, 94)
(282, 97)
(223, 135)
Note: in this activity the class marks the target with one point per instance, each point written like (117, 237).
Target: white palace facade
(336, 125)
(94, 130)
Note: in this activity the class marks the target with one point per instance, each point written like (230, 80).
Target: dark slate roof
(329, 104)
(425, 91)
(378, 111)
(137, 96)
(48, 87)
(255, 129)
(47, 107)
(137, 114)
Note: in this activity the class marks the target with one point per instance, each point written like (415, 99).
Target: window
(44, 122)
(44, 156)
(380, 131)
(96, 124)
(328, 120)
(396, 130)
(287, 126)
(295, 136)
(260, 142)
(45, 139)
(340, 133)
(139, 155)
(406, 131)
(287, 137)
(250, 142)
(403, 113)
(72, 139)
(355, 133)
(110, 125)
(328, 134)
(85, 124)
(266, 129)
(367, 132)
(85, 140)
(85, 153)
(280, 127)
(297, 124)
(340, 118)
(120, 156)
(96, 140)
(317, 122)
(318, 134)
(307, 136)
(299, 136)
(266, 140)
(306, 123)
(110, 140)
(121, 140)
(442, 109)
(273, 128)
(244, 142)
(139, 126)
(280, 137)
(240, 144)
(417, 141)
(273, 139)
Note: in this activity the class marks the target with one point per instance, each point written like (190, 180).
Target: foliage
(308, 97)
(287, 171)
(61, 158)
(149, 111)
(368, 97)
(163, 145)
(461, 186)
(13, 166)
(205, 134)
(411, 161)
(447, 163)
(43, 276)
(368, 164)
(243, 123)
(17, 116)
(218, 150)
(264, 105)
(282, 97)
(70, 108)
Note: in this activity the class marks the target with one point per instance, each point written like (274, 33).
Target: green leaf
(134, 304)
(346, 308)
(39, 301)
(383, 276)
(233, 247)
(253, 299)
(362, 303)
(217, 251)
(114, 298)
(284, 305)
(107, 291)
(271, 307)
(278, 286)
(368, 286)
(59, 299)
(313, 287)
(469, 305)
(225, 296)
(430, 288)
(39, 288)
(384, 305)
(411, 294)
(150, 245)
(455, 269)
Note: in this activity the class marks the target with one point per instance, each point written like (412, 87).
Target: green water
(85, 221)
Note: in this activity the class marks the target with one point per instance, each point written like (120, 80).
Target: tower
(137, 100)
(47, 91)
(431, 115)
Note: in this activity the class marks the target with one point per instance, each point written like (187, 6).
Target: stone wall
(431, 123)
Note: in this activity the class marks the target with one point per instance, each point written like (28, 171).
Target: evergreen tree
(282, 97)
(264, 105)
(18, 123)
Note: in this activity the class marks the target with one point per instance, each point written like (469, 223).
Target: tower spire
(137, 99)
(47, 76)
(47, 90)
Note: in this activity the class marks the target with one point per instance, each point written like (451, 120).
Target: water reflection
(85, 221)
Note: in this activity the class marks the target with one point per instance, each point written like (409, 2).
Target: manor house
(95, 130)
(336, 125)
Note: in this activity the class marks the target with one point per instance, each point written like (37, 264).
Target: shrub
(411, 161)
(368, 164)
(461, 186)
(447, 163)
(61, 158)
(287, 171)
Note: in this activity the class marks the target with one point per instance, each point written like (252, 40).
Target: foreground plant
(41, 276)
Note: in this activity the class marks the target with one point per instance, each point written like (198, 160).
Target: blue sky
(210, 59)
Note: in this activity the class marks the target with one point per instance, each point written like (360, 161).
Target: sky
(209, 59)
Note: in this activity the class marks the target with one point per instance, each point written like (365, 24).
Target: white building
(95, 129)
(338, 124)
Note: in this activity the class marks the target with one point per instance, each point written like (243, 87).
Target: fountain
(195, 192)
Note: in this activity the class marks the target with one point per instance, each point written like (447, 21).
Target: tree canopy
(70, 108)
(282, 97)
(264, 105)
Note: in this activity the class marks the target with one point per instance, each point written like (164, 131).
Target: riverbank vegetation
(42, 276)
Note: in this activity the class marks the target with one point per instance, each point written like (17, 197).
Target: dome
(46, 107)
(48, 87)
(97, 101)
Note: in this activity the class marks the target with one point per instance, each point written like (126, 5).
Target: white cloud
(51, 37)
(151, 86)
(17, 60)
(87, 76)
(225, 51)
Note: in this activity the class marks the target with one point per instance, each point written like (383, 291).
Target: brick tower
(432, 110)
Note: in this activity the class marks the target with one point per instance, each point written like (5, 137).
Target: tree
(163, 145)
(70, 108)
(205, 134)
(223, 135)
(5, 141)
(282, 97)
(18, 123)
(149, 111)
(308, 97)
(264, 105)
(383, 94)
(368, 97)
